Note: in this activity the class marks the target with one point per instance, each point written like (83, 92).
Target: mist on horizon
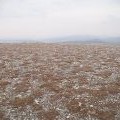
(50, 18)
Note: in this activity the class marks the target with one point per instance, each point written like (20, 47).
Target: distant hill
(64, 39)
(85, 39)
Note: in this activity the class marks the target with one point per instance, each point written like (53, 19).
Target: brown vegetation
(59, 82)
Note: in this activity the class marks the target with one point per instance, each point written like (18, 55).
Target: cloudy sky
(59, 17)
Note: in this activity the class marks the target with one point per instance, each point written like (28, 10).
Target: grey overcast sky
(59, 17)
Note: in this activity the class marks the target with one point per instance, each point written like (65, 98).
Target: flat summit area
(59, 82)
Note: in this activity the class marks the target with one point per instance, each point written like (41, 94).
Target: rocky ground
(59, 82)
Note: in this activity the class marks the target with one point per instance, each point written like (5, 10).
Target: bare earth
(59, 82)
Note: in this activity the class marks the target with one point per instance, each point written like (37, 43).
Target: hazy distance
(25, 19)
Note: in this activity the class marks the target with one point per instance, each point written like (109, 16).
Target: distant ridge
(86, 39)
(64, 39)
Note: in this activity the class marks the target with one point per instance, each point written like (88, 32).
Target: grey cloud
(24, 8)
(56, 17)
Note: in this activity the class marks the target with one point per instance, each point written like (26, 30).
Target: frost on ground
(59, 82)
